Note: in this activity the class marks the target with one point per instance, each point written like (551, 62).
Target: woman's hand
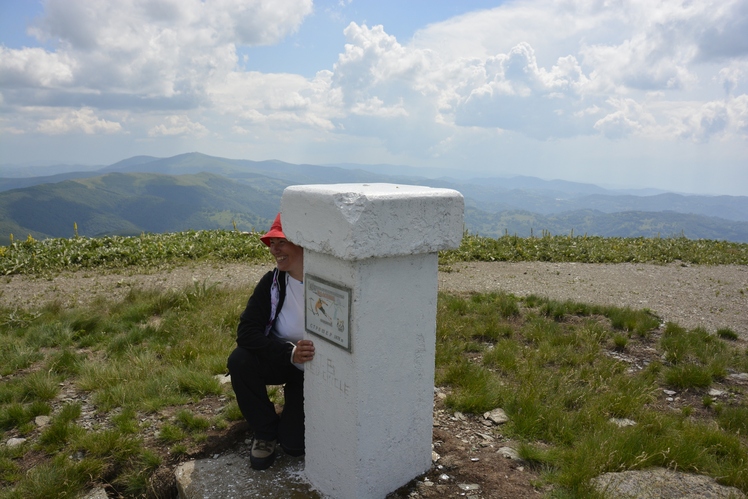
(304, 352)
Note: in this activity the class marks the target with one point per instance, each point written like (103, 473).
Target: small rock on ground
(660, 483)
(97, 493)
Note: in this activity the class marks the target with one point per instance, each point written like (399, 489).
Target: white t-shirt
(289, 325)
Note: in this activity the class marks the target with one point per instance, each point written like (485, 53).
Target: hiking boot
(263, 454)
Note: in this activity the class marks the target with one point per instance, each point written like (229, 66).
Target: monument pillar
(370, 265)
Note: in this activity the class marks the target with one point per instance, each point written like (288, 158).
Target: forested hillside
(132, 203)
(196, 191)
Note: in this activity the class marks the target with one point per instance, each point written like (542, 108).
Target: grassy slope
(147, 365)
(30, 256)
(132, 203)
(151, 203)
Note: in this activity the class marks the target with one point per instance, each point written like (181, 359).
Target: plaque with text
(328, 311)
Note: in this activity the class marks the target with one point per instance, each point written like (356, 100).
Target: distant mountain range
(195, 191)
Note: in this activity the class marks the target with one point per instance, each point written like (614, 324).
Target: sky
(621, 93)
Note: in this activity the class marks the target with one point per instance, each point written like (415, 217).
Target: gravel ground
(79, 288)
(710, 296)
(713, 297)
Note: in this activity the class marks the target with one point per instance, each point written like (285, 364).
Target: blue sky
(632, 93)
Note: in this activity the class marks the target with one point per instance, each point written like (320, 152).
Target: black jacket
(256, 318)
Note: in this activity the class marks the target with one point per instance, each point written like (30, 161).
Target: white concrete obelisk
(370, 263)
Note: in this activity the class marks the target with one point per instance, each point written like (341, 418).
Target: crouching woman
(270, 351)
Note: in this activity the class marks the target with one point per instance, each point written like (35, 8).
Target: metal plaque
(328, 311)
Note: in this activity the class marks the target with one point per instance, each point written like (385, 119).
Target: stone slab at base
(229, 476)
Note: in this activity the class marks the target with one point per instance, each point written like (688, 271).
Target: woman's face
(288, 257)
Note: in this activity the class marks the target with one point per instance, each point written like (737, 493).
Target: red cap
(276, 230)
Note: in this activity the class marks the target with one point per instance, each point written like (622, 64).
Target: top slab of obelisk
(358, 221)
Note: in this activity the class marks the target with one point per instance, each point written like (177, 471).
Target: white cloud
(75, 121)
(276, 100)
(259, 22)
(178, 125)
(8, 129)
(629, 69)
(375, 107)
(148, 50)
(533, 67)
(739, 115)
(517, 94)
(34, 67)
(721, 33)
(631, 49)
(629, 118)
(674, 71)
(375, 63)
(702, 122)
(388, 91)
(733, 78)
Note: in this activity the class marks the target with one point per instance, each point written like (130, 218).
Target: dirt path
(710, 296)
(713, 297)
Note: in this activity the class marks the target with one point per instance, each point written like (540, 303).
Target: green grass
(696, 357)
(553, 373)
(596, 249)
(727, 334)
(626, 319)
(130, 367)
(145, 363)
(115, 252)
(54, 255)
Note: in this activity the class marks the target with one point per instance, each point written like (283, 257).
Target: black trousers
(250, 375)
